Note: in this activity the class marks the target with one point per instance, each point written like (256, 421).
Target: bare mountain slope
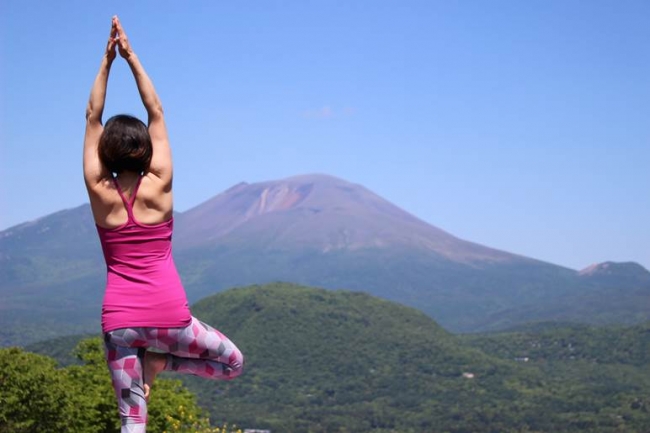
(323, 213)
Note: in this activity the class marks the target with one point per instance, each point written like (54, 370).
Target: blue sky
(524, 126)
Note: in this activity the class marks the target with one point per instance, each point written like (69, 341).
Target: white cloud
(320, 113)
(327, 112)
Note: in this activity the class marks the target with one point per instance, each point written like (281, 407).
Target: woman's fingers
(110, 45)
(118, 27)
(118, 32)
(110, 48)
(121, 38)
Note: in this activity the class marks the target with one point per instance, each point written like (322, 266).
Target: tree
(36, 396)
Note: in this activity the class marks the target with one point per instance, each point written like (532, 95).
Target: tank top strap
(135, 191)
(128, 204)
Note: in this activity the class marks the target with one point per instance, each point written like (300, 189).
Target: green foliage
(325, 361)
(36, 396)
(548, 343)
(596, 379)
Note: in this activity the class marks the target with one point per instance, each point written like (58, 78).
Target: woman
(128, 174)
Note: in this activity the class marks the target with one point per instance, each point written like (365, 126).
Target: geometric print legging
(197, 349)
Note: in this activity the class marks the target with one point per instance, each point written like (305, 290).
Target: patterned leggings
(197, 349)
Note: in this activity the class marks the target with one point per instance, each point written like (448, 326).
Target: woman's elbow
(92, 115)
(156, 112)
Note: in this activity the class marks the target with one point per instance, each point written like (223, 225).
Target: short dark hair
(125, 145)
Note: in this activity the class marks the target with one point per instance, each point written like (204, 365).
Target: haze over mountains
(321, 231)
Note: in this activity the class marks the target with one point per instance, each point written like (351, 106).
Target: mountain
(51, 277)
(323, 231)
(627, 274)
(608, 292)
(315, 230)
(320, 213)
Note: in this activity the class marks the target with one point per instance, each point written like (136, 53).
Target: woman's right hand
(121, 39)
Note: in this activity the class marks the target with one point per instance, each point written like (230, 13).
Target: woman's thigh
(198, 340)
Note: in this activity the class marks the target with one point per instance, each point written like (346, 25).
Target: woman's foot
(154, 363)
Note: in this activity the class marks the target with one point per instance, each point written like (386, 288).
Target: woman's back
(153, 202)
(143, 287)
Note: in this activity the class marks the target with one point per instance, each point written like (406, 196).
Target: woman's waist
(143, 294)
(147, 276)
(144, 311)
(153, 262)
(151, 253)
(161, 293)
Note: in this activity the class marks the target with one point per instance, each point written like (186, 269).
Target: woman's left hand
(110, 46)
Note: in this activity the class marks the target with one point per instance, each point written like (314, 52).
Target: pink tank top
(143, 288)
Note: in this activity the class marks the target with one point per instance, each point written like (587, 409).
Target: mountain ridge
(377, 222)
(320, 231)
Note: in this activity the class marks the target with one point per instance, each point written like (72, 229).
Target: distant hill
(624, 275)
(546, 343)
(315, 230)
(52, 277)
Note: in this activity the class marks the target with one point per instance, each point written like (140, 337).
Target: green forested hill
(549, 343)
(323, 361)
(600, 376)
(337, 361)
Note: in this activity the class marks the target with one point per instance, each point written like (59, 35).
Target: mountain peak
(612, 269)
(312, 177)
(318, 212)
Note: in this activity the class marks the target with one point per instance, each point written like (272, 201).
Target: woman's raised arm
(161, 161)
(94, 170)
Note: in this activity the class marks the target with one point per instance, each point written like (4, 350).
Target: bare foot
(154, 363)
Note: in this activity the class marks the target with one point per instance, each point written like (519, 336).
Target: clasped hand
(118, 38)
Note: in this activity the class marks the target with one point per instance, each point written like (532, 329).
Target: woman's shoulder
(102, 192)
(153, 185)
(154, 196)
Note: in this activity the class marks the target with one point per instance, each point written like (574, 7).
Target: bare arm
(94, 170)
(161, 161)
